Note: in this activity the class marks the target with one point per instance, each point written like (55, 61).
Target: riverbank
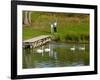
(70, 27)
(71, 38)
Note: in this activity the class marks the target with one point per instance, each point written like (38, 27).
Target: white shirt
(55, 23)
(51, 25)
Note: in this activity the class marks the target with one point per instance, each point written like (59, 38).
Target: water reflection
(56, 55)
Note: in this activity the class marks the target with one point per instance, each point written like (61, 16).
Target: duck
(72, 48)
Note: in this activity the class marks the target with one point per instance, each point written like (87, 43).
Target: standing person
(55, 26)
(52, 28)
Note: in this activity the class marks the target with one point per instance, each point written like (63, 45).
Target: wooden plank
(36, 38)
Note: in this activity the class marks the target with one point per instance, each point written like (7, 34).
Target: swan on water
(82, 48)
(72, 48)
(40, 50)
(47, 50)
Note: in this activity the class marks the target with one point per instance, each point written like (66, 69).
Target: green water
(59, 55)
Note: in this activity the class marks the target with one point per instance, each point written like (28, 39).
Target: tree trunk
(27, 18)
(26, 22)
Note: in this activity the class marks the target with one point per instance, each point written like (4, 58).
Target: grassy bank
(70, 27)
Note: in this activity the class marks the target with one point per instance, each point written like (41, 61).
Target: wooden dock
(36, 41)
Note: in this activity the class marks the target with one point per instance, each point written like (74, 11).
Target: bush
(84, 37)
(56, 37)
(71, 37)
(76, 37)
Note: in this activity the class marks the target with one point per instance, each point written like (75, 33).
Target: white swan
(82, 48)
(39, 51)
(72, 48)
(47, 50)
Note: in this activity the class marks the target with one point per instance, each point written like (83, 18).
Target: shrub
(76, 37)
(71, 37)
(56, 37)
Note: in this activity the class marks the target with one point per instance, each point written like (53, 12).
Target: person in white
(55, 26)
(52, 28)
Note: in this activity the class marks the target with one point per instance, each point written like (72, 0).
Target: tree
(27, 17)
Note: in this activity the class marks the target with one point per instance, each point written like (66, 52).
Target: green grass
(74, 33)
(69, 28)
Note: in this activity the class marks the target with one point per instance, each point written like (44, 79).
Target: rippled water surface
(56, 55)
